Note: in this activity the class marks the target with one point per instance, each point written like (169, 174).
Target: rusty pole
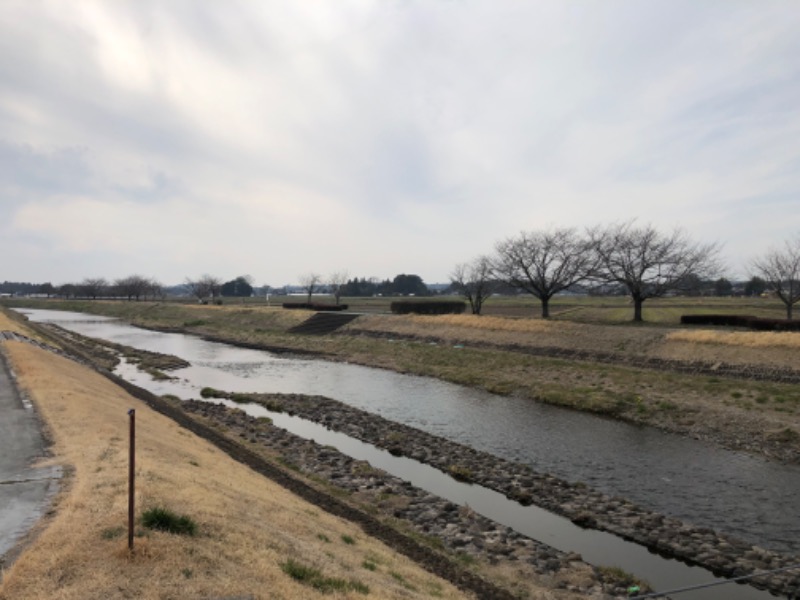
(131, 472)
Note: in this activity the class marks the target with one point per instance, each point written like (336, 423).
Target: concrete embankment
(721, 554)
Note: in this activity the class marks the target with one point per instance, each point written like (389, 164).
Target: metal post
(131, 473)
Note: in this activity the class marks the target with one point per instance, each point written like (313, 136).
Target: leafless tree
(309, 282)
(780, 269)
(133, 286)
(155, 290)
(93, 287)
(648, 263)
(336, 282)
(544, 263)
(475, 282)
(206, 286)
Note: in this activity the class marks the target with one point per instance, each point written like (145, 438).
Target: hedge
(751, 322)
(724, 320)
(775, 325)
(313, 306)
(428, 307)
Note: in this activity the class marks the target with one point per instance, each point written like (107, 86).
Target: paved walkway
(24, 490)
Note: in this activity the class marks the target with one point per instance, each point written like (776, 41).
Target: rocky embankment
(724, 555)
(468, 534)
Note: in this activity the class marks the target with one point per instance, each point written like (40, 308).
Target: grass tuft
(315, 579)
(162, 519)
(460, 473)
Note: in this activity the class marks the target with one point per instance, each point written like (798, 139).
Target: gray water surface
(742, 495)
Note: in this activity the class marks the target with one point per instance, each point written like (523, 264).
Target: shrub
(209, 392)
(161, 519)
(428, 307)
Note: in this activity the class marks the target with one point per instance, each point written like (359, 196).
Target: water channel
(742, 495)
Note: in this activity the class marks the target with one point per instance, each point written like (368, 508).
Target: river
(739, 494)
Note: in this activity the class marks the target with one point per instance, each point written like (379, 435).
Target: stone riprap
(459, 529)
(670, 537)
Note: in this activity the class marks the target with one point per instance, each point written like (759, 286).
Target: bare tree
(780, 269)
(309, 282)
(337, 281)
(544, 263)
(650, 264)
(474, 281)
(204, 287)
(133, 286)
(93, 287)
(154, 289)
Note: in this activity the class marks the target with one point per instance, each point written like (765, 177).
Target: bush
(161, 519)
(428, 307)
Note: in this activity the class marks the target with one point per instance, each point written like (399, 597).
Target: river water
(745, 496)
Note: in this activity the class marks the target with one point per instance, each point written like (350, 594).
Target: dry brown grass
(8, 323)
(248, 526)
(468, 328)
(487, 323)
(746, 339)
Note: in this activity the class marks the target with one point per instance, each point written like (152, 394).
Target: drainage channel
(596, 547)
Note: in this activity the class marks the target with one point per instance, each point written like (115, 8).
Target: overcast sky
(176, 138)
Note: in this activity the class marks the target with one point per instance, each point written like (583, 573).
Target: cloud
(380, 137)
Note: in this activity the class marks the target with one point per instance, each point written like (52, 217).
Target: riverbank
(643, 375)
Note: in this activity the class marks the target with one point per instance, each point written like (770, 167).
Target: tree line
(623, 258)
(640, 260)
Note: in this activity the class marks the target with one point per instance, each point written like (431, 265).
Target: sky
(281, 138)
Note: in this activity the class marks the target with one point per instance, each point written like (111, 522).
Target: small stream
(735, 493)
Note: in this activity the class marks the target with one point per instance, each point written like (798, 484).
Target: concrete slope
(322, 323)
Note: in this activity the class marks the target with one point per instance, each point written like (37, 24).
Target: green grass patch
(240, 398)
(162, 519)
(314, 578)
(195, 323)
(623, 578)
